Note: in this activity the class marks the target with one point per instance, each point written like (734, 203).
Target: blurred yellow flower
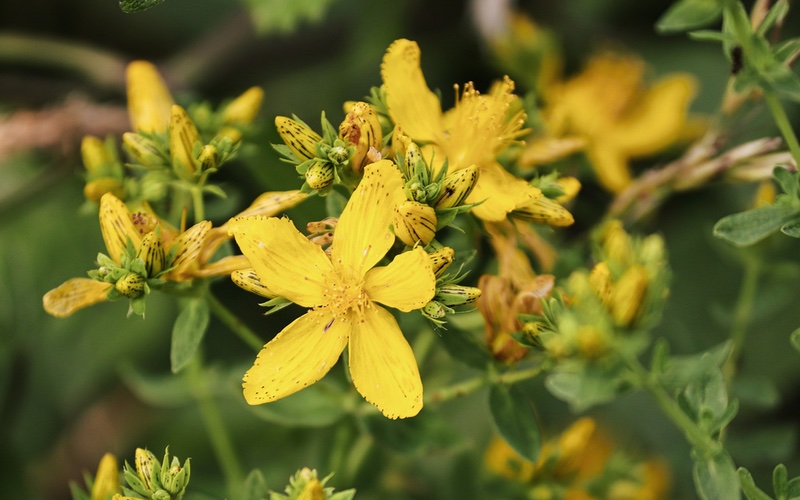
(149, 100)
(342, 293)
(609, 112)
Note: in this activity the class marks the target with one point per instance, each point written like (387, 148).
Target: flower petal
(407, 283)
(74, 294)
(500, 193)
(410, 102)
(383, 366)
(117, 226)
(285, 261)
(362, 236)
(299, 356)
(611, 167)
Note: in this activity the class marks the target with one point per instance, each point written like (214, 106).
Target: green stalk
(236, 325)
(741, 315)
(473, 384)
(217, 432)
(197, 203)
(782, 121)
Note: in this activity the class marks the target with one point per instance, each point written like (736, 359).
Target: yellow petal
(500, 192)
(547, 149)
(611, 167)
(383, 366)
(273, 203)
(658, 120)
(222, 267)
(74, 294)
(362, 236)
(407, 283)
(117, 226)
(410, 102)
(299, 356)
(149, 100)
(286, 262)
(188, 246)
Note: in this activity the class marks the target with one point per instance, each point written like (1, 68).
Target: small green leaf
(689, 14)
(780, 480)
(131, 6)
(255, 486)
(426, 431)
(166, 391)
(747, 228)
(715, 476)
(794, 338)
(682, 370)
(515, 418)
(749, 488)
(188, 331)
(710, 36)
(791, 228)
(789, 182)
(319, 405)
(584, 385)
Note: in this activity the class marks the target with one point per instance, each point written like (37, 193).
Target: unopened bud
(600, 281)
(247, 279)
(361, 128)
(543, 210)
(244, 108)
(434, 310)
(338, 155)
(571, 186)
(616, 243)
(106, 481)
(457, 295)
(231, 134)
(320, 175)
(628, 295)
(441, 260)
(301, 140)
(182, 137)
(151, 251)
(208, 158)
(131, 285)
(96, 157)
(146, 463)
(412, 156)
(414, 223)
(95, 189)
(456, 187)
(149, 100)
(142, 150)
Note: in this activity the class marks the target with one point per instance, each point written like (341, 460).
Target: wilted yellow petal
(500, 193)
(117, 226)
(410, 102)
(362, 234)
(149, 100)
(299, 356)
(383, 366)
(407, 283)
(286, 262)
(74, 294)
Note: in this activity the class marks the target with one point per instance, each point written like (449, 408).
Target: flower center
(345, 293)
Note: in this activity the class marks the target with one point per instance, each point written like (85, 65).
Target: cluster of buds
(164, 480)
(449, 293)
(331, 158)
(623, 294)
(306, 485)
(104, 172)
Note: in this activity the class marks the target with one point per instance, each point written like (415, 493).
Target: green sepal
(689, 14)
(137, 306)
(275, 304)
(215, 190)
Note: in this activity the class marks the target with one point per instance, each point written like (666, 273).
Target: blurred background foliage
(72, 389)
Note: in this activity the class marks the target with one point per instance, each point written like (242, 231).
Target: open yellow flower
(607, 111)
(474, 132)
(342, 293)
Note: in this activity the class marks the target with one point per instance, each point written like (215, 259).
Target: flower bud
(590, 341)
(571, 186)
(600, 281)
(544, 211)
(247, 279)
(230, 133)
(616, 243)
(95, 189)
(131, 285)
(441, 260)
(338, 155)
(151, 251)
(434, 310)
(457, 295)
(146, 463)
(628, 295)
(412, 156)
(208, 158)
(456, 187)
(175, 478)
(320, 175)
(106, 481)
(96, 157)
(142, 150)
(301, 140)
(414, 222)
(149, 100)
(362, 129)
(182, 137)
(244, 108)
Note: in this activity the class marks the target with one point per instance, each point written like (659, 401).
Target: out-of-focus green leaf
(158, 391)
(679, 371)
(747, 228)
(791, 229)
(794, 338)
(764, 445)
(749, 488)
(759, 392)
(188, 331)
(584, 385)
(424, 432)
(715, 476)
(689, 14)
(318, 405)
(131, 6)
(514, 416)
(284, 15)
(255, 486)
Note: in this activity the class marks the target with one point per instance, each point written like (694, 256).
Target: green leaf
(583, 384)
(794, 338)
(715, 476)
(318, 405)
(689, 14)
(791, 228)
(680, 371)
(335, 203)
(710, 36)
(131, 6)
(255, 486)
(515, 418)
(793, 489)
(750, 227)
(762, 445)
(283, 16)
(188, 331)
(751, 491)
(780, 480)
(426, 431)
(755, 391)
(464, 346)
(158, 391)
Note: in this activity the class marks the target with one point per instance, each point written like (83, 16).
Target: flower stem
(782, 121)
(741, 315)
(697, 438)
(217, 433)
(197, 203)
(473, 384)
(236, 325)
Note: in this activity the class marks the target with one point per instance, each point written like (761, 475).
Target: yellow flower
(342, 293)
(149, 100)
(474, 132)
(607, 111)
(152, 242)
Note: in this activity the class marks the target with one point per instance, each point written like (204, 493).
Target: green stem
(215, 426)
(741, 315)
(782, 121)
(197, 203)
(694, 434)
(236, 325)
(473, 384)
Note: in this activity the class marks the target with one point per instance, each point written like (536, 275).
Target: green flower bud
(338, 155)
(434, 310)
(457, 295)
